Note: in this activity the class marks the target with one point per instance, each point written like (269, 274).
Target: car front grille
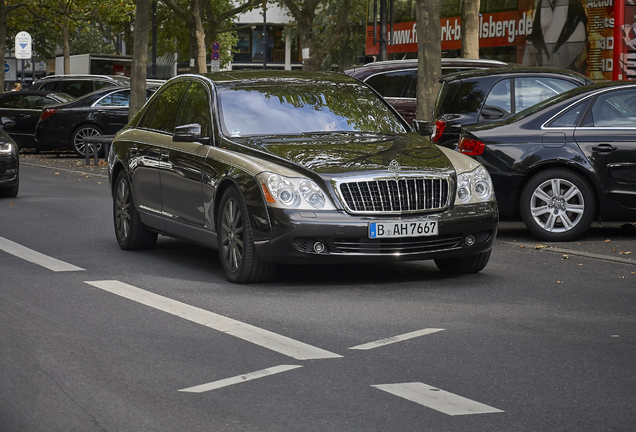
(403, 246)
(394, 195)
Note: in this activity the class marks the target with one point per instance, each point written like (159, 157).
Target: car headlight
(6, 148)
(474, 186)
(292, 193)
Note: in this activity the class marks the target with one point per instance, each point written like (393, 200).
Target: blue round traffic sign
(6, 68)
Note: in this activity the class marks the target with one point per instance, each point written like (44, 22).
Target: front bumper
(463, 230)
(8, 171)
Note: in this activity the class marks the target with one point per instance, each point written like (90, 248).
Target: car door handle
(604, 148)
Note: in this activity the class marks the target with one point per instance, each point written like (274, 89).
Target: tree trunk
(140, 57)
(199, 35)
(470, 29)
(3, 40)
(66, 49)
(429, 54)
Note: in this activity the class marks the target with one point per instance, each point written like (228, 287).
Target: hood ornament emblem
(394, 167)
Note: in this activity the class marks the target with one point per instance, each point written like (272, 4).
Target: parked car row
(9, 163)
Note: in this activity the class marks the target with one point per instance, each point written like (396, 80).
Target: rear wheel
(557, 205)
(236, 245)
(464, 265)
(79, 136)
(130, 231)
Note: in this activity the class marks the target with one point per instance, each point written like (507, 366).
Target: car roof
(517, 70)
(266, 76)
(364, 71)
(34, 92)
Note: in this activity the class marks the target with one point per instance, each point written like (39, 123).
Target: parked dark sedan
(396, 80)
(24, 108)
(102, 112)
(565, 162)
(9, 163)
(485, 96)
(292, 167)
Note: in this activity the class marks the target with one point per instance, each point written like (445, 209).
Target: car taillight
(470, 146)
(438, 129)
(47, 112)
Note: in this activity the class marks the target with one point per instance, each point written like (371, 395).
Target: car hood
(355, 153)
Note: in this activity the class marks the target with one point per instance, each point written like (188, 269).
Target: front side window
(161, 114)
(532, 90)
(12, 101)
(196, 108)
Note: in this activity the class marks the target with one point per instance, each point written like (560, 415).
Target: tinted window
(196, 108)
(161, 115)
(76, 88)
(50, 86)
(101, 84)
(117, 99)
(615, 109)
(459, 98)
(532, 90)
(392, 84)
(570, 118)
(500, 96)
(12, 101)
(33, 102)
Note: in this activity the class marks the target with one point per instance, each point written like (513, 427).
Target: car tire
(464, 265)
(237, 252)
(77, 139)
(557, 205)
(131, 233)
(10, 192)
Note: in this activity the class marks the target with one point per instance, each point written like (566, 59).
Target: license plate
(400, 228)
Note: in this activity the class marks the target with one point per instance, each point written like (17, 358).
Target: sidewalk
(65, 162)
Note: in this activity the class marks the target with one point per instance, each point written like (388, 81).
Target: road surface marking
(399, 338)
(36, 257)
(437, 399)
(247, 332)
(239, 379)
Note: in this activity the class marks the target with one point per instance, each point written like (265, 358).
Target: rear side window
(76, 88)
(117, 99)
(49, 86)
(570, 118)
(102, 84)
(500, 96)
(393, 84)
(161, 114)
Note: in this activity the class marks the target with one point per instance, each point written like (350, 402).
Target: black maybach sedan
(291, 167)
(565, 162)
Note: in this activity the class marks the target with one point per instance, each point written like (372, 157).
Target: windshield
(295, 108)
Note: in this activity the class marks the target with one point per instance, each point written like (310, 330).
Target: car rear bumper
(298, 237)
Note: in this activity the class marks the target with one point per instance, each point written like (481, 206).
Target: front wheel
(130, 231)
(557, 205)
(78, 139)
(236, 245)
(464, 265)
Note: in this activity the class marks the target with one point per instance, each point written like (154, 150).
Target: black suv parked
(488, 95)
(79, 85)
(396, 80)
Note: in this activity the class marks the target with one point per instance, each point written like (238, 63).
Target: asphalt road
(94, 338)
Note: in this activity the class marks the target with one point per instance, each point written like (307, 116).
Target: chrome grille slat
(394, 195)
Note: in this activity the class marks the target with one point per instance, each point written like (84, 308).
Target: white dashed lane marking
(394, 339)
(436, 399)
(38, 258)
(247, 332)
(239, 379)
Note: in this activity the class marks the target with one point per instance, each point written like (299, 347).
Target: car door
(146, 145)
(22, 110)
(608, 139)
(182, 165)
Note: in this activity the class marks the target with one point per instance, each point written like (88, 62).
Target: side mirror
(423, 127)
(491, 112)
(187, 133)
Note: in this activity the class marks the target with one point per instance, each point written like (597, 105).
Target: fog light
(470, 240)
(319, 247)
